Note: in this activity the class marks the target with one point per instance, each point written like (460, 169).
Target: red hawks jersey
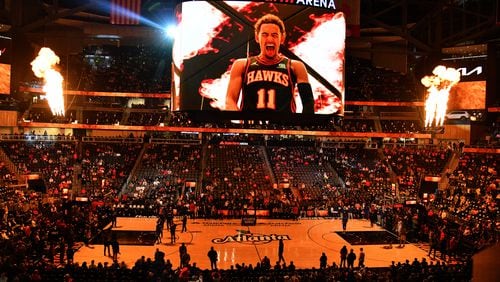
(268, 87)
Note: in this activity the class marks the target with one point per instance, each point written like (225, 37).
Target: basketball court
(304, 241)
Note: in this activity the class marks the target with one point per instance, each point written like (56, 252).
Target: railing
(31, 137)
(409, 115)
(112, 139)
(487, 148)
(175, 141)
(344, 144)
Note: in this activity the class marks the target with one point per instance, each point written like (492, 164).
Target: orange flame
(43, 67)
(438, 90)
(327, 59)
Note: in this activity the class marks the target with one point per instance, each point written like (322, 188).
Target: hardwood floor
(304, 241)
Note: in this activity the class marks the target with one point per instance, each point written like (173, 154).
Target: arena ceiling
(413, 27)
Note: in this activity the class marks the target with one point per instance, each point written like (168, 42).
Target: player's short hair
(270, 19)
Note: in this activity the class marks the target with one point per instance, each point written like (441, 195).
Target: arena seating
(233, 175)
(106, 166)
(362, 180)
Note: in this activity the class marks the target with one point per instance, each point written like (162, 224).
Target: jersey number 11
(266, 99)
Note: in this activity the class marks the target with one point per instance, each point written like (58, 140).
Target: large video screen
(5, 46)
(216, 38)
(470, 92)
(4, 79)
(468, 95)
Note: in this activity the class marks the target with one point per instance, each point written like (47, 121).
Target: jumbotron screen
(212, 35)
(5, 46)
(470, 92)
(4, 79)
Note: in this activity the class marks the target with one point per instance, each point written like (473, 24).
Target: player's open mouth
(270, 47)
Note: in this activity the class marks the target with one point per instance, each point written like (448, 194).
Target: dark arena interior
(122, 157)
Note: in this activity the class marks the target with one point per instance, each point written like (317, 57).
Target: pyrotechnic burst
(327, 59)
(43, 66)
(199, 39)
(438, 90)
(215, 90)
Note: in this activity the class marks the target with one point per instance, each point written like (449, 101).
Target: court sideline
(304, 241)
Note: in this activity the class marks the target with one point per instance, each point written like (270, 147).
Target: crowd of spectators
(147, 269)
(472, 198)
(411, 164)
(7, 177)
(237, 179)
(361, 168)
(303, 169)
(141, 116)
(106, 166)
(146, 118)
(358, 125)
(369, 83)
(38, 237)
(458, 222)
(39, 114)
(109, 68)
(144, 69)
(164, 178)
(102, 117)
(52, 161)
(8, 103)
(401, 126)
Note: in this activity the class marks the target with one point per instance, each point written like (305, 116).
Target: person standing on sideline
(184, 223)
(159, 232)
(172, 233)
(159, 257)
(401, 233)
(182, 251)
(323, 261)
(186, 258)
(281, 250)
(361, 259)
(373, 215)
(345, 218)
(88, 236)
(62, 251)
(343, 256)
(212, 255)
(170, 218)
(70, 253)
(351, 257)
(107, 243)
(115, 246)
(113, 218)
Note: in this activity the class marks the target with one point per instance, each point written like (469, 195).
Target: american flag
(126, 12)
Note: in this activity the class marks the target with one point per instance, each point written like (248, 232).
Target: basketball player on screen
(267, 81)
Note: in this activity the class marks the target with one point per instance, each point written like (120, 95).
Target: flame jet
(438, 90)
(43, 66)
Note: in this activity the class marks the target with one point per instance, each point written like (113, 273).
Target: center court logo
(245, 237)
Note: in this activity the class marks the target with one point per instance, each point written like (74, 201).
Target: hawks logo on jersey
(267, 75)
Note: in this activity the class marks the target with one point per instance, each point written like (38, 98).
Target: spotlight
(170, 31)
